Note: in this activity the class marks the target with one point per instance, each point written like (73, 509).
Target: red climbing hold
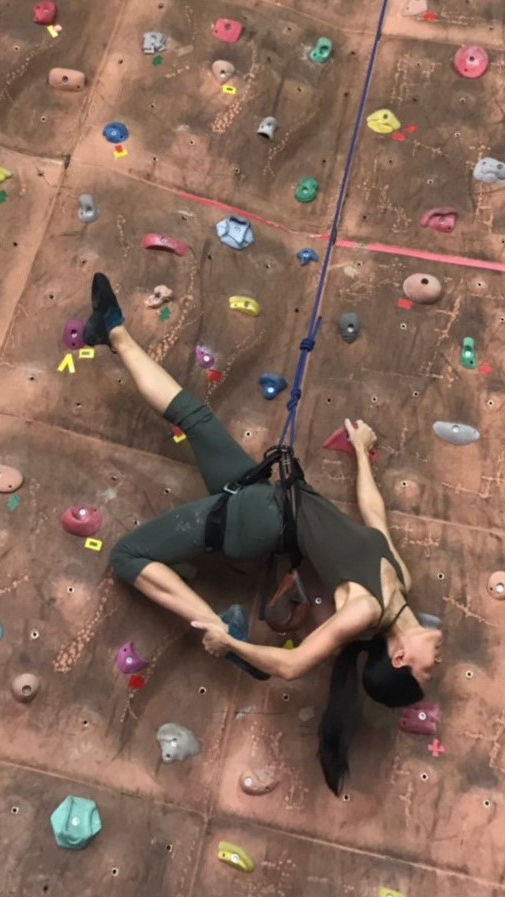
(160, 241)
(82, 521)
(214, 376)
(421, 718)
(442, 219)
(339, 442)
(471, 61)
(44, 13)
(228, 30)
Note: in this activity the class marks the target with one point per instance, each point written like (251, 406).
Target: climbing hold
(349, 326)
(420, 719)
(82, 521)
(88, 210)
(10, 478)
(471, 61)
(115, 132)
(73, 335)
(272, 385)
(222, 70)
(442, 219)
(25, 687)
(322, 50)
(159, 295)
(129, 661)
(245, 304)
(496, 585)
(305, 256)
(161, 241)
(44, 13)
(204, 357)
(339, 442)
(258, 781)
(153, 42)
(75, 822)
(235, 232)
(67, 79)
(235, 856)
(4, 174)
(468, 359)
(415, 8)
(457, 434)
(228, 30)
(489, 171)
(306, 190)
(177, 743)
(288, 609)
(214, 376)
(423, 288)
(429, 621)
(268, 127)
(383, 121)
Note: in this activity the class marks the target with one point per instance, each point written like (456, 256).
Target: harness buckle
(232, 488)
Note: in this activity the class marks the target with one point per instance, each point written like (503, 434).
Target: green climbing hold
(468, 359)
(307, 190)
(322, 51)
(3, 196)
(157, 60)
(75, 822)
(13, 502)
(164, 313)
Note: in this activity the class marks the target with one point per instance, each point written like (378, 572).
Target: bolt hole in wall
(424, 777)
(34, 634)
(469, 674)
(169, 848)
(14, 810)
(346, 798)
(285, 696)
(85, 724)
(202, 690)
(440, 575)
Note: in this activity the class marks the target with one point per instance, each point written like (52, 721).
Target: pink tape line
(352, 244)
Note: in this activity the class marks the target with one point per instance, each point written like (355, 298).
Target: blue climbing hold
(272, 385)
(235, 232)
(75, 822)
(305, 256)
(116, 132)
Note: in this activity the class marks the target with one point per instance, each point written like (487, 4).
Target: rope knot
(296, 395)
(307, 344)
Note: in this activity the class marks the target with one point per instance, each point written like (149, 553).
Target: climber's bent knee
(126, 562)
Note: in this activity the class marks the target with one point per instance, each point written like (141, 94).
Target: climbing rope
(308, 343)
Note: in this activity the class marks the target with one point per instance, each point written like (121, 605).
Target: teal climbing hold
(75, 822)
(307, 190)
(468, 359)
(322, 51)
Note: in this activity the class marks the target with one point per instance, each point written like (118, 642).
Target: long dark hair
(381, 680)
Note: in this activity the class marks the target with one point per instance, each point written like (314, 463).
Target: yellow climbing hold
(235, 856)
(383, 121)
(4, 174)
(245, 304)
(67, 363)
(289, 645)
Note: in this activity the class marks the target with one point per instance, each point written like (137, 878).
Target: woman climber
(358, 563)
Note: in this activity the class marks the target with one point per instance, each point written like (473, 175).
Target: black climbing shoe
(106, 313)
(238, 627)
(102, 294)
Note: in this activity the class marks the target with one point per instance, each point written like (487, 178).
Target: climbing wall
(423, 813)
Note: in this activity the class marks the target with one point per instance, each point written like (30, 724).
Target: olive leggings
(177, 537)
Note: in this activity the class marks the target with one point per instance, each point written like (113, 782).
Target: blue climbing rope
(308, 343)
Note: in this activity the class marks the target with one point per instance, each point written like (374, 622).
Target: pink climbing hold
(161, 241)
(339, 442)
(496, 585)
(73, 335)
(129, 661)
(228, 30)
(82, 521)
(420, 719)
(471, 61)
(44, 13)
(442, 219)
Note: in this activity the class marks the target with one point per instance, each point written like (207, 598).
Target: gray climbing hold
(153, 42)
(176, 743)
(457, 434)
(88, 210)
(349, 326)
(268, 127)
(235, 232)
(489, 171)
(429, 621)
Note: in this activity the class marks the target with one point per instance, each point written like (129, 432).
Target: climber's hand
(216, 639)
(361, 436)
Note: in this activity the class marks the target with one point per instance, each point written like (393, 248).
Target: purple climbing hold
(204, 357)
(73, 335)
(129, 661)
(272, 385)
